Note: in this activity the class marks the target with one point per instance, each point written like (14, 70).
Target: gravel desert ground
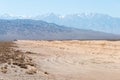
(67, 60)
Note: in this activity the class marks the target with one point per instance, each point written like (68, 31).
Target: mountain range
(41, 30)
(97, 22)
(91, 21)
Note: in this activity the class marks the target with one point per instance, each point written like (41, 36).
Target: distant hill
(97, 22)
(40, 30)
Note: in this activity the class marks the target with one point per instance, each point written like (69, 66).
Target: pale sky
(38, 7)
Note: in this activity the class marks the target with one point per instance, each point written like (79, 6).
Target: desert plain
(61, 60)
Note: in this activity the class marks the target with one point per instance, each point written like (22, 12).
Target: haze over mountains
(97, 22)
(40, 30)
(91, 21)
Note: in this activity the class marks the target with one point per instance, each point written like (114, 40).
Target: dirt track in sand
(74, 60)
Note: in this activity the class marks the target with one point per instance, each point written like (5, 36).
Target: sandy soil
(72, 60)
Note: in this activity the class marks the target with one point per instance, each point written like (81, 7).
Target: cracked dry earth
(69, 60)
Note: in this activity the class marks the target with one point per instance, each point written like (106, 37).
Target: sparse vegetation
(10, 56)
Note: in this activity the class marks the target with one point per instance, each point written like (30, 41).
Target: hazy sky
(36, 7)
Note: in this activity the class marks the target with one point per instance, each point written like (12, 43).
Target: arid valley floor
(60, 60)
